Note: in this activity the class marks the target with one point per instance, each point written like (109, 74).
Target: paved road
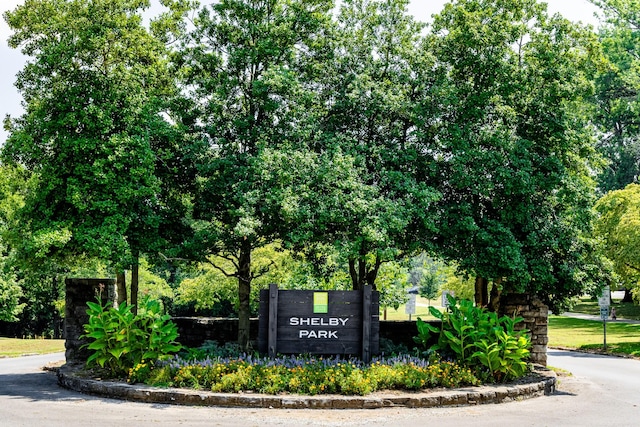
(603, 391)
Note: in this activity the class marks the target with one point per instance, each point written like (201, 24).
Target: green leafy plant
(121, 340)
(459, 329)
(505, 359)
(478, 339)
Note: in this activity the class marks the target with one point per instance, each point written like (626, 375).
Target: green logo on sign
(320, 302)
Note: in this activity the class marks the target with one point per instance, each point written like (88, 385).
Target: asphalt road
(603, 391)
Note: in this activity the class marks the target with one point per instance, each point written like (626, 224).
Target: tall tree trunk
(372, 274)
(357, 271)
(361, 276)
(496, 291)
(56, 315)
(244, 295)
(121, 286)
(628, 295)
(135, 283)
(481, 292)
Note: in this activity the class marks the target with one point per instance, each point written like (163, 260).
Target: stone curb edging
(543, 384)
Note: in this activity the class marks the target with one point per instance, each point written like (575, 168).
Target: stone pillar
(78, 292)
(536, 316)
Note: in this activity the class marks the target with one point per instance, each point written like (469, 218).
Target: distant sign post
(445, 299)
(410, 307)
(604, 302)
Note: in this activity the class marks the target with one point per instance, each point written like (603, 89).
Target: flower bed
(303, 375)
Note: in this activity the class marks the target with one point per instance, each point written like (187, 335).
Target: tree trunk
(372, 274)
(135, 284)
(494, 302)
(360, 276)
(628, 295)
(56, 316)
(481, 292)
(121, 285)
(353, 273)
(244, 295)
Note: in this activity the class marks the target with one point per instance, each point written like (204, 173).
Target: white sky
(11, 61)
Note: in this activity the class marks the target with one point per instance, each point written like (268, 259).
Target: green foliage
(618, 95)
(153, 286)
(211, 291)
(211, 349)
(428, 275)
(392, 285)
(504, 359)
(13, 183)
(354, 139)
(105, 162)
(459, 283)
(121, 340)
(10, 305)
(305, 376)
(380, 206)
(248, 60)
(514, 154)
(618, 226)
(478, 339)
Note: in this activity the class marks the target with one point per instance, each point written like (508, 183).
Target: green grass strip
(622, 338)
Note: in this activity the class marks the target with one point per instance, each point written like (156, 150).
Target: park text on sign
(319, 322)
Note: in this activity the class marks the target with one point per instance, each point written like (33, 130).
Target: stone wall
(536, 316)
(78, 292)
(194, 331)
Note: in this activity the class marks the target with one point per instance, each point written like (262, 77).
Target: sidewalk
(597, 318)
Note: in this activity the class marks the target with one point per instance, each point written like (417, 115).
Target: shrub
(122, 341)
(478, 339)
(306, 375)
(211, 349)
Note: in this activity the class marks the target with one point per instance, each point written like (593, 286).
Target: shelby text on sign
(318, 321)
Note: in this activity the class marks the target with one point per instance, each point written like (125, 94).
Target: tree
(426, 274)
(392, 284)
(618, 224)
(92, 94)
(10, 305)
(374, 206)
(514, 148)
(13, 182)
(242, 64)
(618, 95)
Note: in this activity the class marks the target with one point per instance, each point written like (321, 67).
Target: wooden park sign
(319, 322)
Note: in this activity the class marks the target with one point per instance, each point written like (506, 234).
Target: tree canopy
(348, 136)
(618, 224)
(514, 147)
(618, 95)
(244, 61)
(92, 131)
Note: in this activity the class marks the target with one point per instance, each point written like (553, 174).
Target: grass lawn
(625, 310)
(422, 310)
(13, 347)
(572, 333)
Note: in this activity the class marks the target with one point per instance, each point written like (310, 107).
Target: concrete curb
(542, 382)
